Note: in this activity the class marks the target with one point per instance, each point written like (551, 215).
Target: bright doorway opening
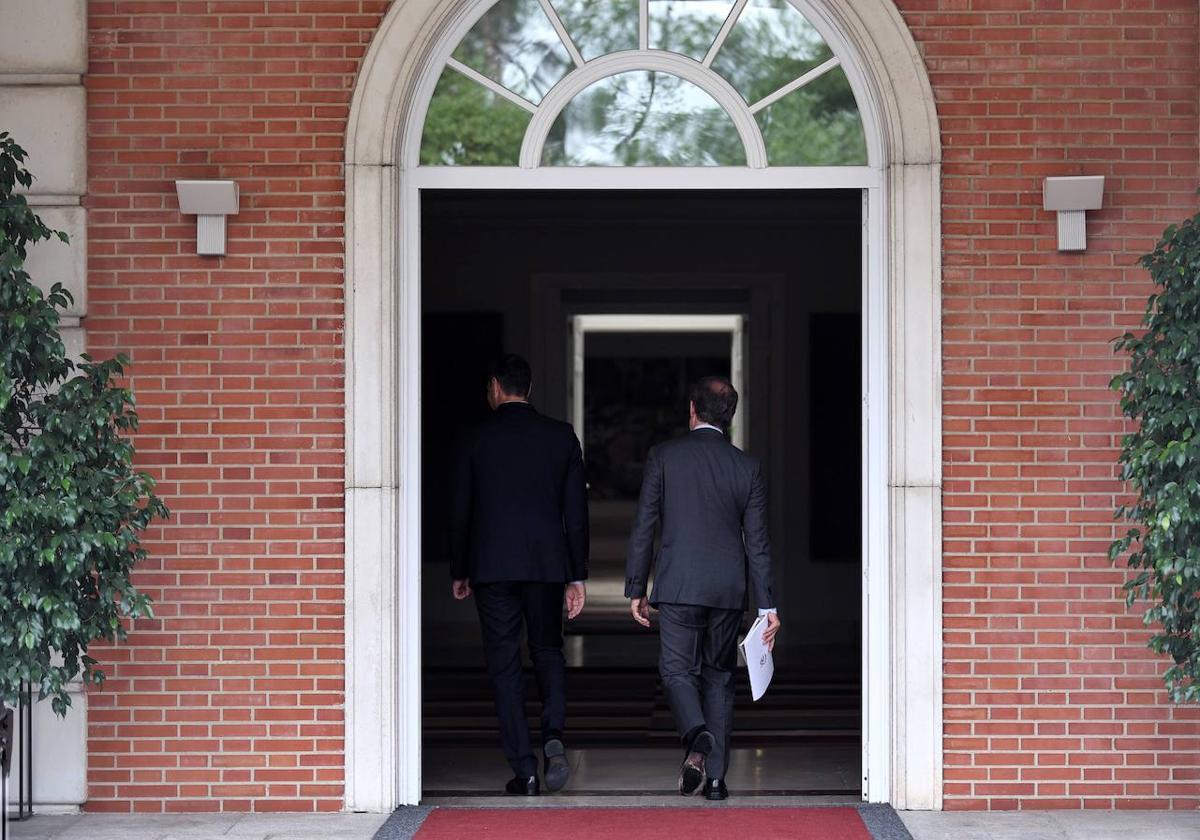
(700, 345)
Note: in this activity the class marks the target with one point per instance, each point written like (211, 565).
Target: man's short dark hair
(715, 400)
(514, 375)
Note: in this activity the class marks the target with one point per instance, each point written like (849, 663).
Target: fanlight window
(643, 83)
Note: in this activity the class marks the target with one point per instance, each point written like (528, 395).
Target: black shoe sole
(692, 774)
(557, 771)
(691, 779)
(557, 774)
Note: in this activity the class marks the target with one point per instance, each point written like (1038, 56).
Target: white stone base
(59, 756)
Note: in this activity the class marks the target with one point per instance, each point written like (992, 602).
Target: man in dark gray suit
(712, 502)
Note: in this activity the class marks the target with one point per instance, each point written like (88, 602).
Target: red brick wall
(1051, 700)
(232, 697)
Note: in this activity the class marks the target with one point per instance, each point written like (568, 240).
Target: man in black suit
(519, 542)
(712, 502)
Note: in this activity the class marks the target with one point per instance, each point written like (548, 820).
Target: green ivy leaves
(72, 505)
(1161, 459)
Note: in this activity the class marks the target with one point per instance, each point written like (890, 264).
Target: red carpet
(635, 823)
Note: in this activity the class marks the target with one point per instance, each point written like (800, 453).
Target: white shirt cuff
(768, 611)
(575, 582)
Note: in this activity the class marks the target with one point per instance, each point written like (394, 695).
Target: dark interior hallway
(507, 271)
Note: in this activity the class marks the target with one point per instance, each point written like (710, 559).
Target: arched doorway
(390, 160)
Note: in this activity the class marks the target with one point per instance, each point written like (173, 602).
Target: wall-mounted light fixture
(211, 202)
(1070, 197)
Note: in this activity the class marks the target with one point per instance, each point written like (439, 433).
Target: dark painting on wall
(634, 400)
(835, 423)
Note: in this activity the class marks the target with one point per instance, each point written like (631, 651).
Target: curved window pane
(770, 45)
(643, 118)
(686, 26)
(817, 125)
(469, 125)
(599, 27)
(515, 45)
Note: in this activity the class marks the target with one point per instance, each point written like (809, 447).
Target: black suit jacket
(712, 501)
(519, 510)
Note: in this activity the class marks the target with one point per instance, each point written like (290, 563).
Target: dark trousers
(697, 657)
(503, 608)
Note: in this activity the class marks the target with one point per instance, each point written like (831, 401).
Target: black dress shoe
(523, 786)
(715, 790)
(556, 771)
(692, 773)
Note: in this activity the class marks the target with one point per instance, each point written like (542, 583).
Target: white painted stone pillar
(43, 56)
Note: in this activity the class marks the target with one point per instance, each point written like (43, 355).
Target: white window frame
(587, 73)
(732, 325)
(577, 81)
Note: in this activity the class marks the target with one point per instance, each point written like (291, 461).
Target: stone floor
(1053, 825)
(826, 770)
(1058, 825)
(198, 827)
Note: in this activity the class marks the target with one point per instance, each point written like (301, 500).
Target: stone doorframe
(902, 645)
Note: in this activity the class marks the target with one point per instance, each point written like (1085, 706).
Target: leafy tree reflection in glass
(600, 27)
(469, 124)
(687, 27)
(515, 45)
(643, 118)
(794, 91)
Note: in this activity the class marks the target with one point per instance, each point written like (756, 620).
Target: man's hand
(461, 590)
(770, 630)
(640, 607)
(575, 598)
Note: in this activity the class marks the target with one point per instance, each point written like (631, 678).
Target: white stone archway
(902, 644)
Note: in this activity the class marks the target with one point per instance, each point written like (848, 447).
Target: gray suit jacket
(712, 501)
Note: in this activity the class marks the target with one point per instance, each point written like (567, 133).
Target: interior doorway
(522, 272)
(647, 357)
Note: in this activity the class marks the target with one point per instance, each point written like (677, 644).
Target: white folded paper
(760, 665)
